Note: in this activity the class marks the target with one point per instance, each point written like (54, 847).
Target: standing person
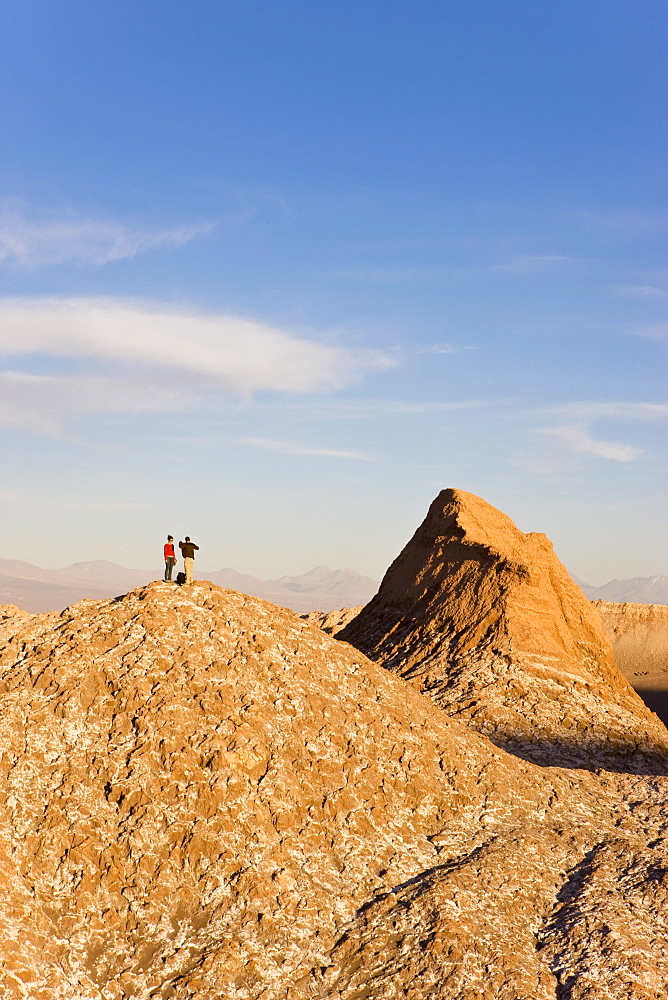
(188, 553)
(170, 558)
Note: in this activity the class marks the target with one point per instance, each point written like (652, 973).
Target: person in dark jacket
(188, 553)
(170, 558)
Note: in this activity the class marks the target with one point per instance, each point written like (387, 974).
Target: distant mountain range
(321, 589)
(34, 589)
(635, 590)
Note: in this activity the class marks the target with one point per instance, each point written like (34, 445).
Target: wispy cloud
(641, 292)
(446, 349)
(294, 448)
(578, 438)
(365, 409)
(145, 357)
(95, 242)
(620, 410)
(575, 434)
(536, 263)
(226, 352)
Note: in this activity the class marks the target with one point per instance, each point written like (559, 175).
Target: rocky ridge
(332, 622)
(205, 796)
(486, 621)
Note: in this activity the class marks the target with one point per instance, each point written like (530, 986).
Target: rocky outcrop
(485, 620)
(12, 620)
(205, 797)
(333, 622)
(639, 637)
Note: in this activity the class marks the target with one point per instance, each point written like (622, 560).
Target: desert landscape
(450, 792)
(33, 588)
(283, 718)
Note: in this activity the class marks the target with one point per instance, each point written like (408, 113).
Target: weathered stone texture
(204, 797)
(487, 622)
(332, 622)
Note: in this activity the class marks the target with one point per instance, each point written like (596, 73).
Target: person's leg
(188, 567)
(169, 566)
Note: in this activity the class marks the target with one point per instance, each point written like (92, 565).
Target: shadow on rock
(587, 753)
(657, 701)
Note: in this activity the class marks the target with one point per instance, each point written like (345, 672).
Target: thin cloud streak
(641, 292)
(619, 410)
(446, 349)
(366, 409)
(93, 242)
(536, 263)
(577, 438)
(293, 448)
(576, 435)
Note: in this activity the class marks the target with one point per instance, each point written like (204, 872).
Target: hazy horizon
(203, 568)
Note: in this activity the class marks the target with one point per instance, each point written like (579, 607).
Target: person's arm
(195, 546)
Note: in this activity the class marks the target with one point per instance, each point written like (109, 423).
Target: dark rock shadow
(586, 753)
(657, 701)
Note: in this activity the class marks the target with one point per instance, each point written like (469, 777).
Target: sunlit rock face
(333, 622)
(203, 796)
(485, 620)
(639, 637)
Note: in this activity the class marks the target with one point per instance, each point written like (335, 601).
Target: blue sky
(274, 273)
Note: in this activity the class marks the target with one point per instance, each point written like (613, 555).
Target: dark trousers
(169, 566)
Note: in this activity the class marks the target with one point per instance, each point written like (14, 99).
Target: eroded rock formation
(203, 797)
(485, 620)
(639, 637)
(332, 622)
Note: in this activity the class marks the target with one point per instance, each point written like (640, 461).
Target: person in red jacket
(170, 558)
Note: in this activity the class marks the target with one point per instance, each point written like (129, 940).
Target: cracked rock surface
(486, 621)
(333, 622)
(203, 797)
